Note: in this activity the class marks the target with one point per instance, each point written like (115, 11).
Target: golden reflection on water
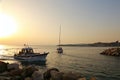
(4, 55)
(1, 49)
(1, 46)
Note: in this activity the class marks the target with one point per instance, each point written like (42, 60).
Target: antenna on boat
(26, 45)
(117, 42)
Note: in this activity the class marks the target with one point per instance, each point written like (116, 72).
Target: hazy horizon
(82, 21)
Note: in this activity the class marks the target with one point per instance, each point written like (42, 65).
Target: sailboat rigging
(59, 49)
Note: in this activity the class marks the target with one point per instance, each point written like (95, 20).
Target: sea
(86, 60)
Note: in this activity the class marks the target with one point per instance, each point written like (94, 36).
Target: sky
(82, 21)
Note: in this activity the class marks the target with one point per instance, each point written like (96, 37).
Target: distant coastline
(97, 44)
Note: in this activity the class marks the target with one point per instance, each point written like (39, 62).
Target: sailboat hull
(59, 50)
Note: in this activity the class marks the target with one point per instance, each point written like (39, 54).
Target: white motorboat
(27, 54)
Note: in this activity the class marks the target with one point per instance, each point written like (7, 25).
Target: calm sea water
(85, 60)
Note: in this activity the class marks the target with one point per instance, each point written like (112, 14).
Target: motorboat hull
(30, 58)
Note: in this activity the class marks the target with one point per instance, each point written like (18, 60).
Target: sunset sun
(7, 25)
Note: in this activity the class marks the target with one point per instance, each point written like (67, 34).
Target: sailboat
(59, 49)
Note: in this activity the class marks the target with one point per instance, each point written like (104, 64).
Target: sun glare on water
(7, 25)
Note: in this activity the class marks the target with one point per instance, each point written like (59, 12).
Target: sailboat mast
(60, 35)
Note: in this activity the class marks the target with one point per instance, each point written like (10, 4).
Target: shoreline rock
(13, 72)
(111, 52)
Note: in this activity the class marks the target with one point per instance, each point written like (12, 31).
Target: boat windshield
(27, 50)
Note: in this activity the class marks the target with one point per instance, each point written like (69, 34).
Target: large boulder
(15, 72)
(28, 71)
(55, 75)
(27, 78)
(13, 66)
(37, 75)
(93, 78)
(47, 74)
(82, 78)
(72, 76)
(3, 66)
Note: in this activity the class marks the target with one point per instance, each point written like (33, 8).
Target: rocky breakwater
(13, 72)
(111, 52)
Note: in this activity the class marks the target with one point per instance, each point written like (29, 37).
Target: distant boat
(27, 54)
(59, 49)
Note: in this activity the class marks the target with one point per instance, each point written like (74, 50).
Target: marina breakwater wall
(13, 72)
(111, 52)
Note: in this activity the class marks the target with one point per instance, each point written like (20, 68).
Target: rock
(28, 71)
(47, 75)
(27, 78)
(37, 75)
(55, 75)
(13, 66)
(3, 66)
(12, 72)
(111, 52)
(16, 78)
(82, 78)
(5, 73)
(15, 72)
(72, 76)
(93, 78)
(5, 78)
